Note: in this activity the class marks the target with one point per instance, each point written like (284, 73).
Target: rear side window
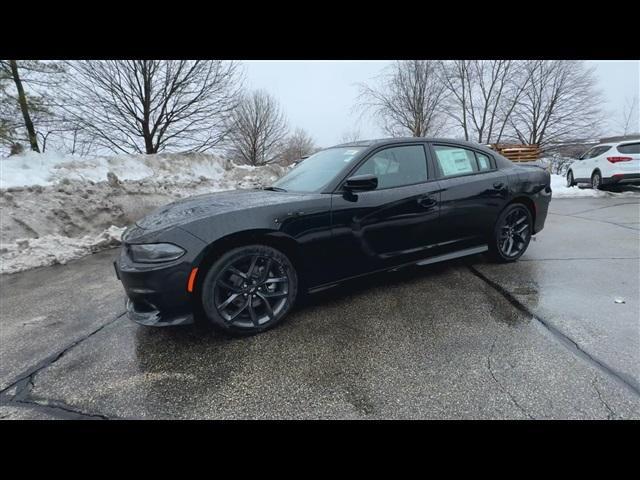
(397, 166)
(455, 160)
(484, 163)
(629, 148)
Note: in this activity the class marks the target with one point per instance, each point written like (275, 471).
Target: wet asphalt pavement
(542, 338)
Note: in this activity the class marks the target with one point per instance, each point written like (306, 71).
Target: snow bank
(50, 168)
(560, 190)
(56, 208)
(55, 249)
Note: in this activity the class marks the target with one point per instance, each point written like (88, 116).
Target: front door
(394, 224)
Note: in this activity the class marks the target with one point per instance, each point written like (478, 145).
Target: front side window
(600, 150)
(396, 166)
(595, 152)
(587, 154)
(455, 160)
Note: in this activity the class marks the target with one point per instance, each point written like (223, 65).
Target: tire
(596, 180)
(570, 180)
(511, 234)
(236, 287)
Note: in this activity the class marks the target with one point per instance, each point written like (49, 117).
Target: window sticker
(454, 162)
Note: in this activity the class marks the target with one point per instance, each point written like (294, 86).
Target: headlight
(155, 252)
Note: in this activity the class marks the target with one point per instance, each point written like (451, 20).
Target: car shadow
(200, 331)
(624, 188)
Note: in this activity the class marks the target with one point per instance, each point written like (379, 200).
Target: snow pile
(56, 208)
(560, 190)
(55, 249)
(50, 168)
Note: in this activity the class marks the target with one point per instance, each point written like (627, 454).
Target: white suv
(607, 164)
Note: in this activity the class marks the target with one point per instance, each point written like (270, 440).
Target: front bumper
(155, 296)
(157, 293)
(154, 318)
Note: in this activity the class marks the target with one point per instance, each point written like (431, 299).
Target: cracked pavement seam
(594, 383)
(564, 339)
(602, 208)
(504, 390)
(25, 382)
(594, 220)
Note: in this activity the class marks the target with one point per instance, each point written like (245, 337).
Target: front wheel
(512, 233)
(570, 181)
(249, 290)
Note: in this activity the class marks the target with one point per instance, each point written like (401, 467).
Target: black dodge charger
(238, 259)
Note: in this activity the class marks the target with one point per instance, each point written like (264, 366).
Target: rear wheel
(596, 181)
(249, 289)
(512, 233)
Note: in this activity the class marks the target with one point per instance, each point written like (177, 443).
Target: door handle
(427, 202)
(498, 185)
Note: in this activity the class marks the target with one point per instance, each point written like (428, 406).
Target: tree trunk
(22, 99)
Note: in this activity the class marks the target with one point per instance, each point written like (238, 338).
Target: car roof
(400, 140)
(618, 143)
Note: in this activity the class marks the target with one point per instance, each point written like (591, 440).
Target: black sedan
(238, 259)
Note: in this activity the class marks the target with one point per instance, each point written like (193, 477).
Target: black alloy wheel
(249, 289)
(512, 233)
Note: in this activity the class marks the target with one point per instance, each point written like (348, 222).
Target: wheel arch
(278, 240)
(526, 201)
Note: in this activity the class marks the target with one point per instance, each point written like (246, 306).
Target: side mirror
(361, 183)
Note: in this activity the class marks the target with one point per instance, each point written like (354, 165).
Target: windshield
(312, 174)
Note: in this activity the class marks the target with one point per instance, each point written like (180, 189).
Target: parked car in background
(238, 259)
(607, 164)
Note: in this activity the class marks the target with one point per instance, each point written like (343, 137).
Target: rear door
(474, 192)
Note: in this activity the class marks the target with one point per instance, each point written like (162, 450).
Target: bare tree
(296, 146)
(630, 121)
(26, 100)
(560, 102)
(482, 95)
(7, 108)
(257, 129)
(147, 106)
(24, 107)
(407, 99)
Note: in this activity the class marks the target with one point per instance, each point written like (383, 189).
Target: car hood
(200, 206)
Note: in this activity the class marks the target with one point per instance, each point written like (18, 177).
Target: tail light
(619, 159)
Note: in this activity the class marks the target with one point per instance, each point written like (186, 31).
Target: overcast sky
(319, 95)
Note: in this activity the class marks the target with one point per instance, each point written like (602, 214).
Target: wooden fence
(517, 153)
